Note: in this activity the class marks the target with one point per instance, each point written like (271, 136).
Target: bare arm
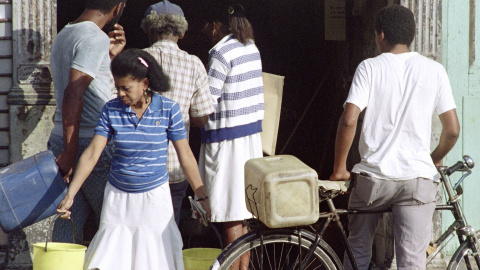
(86, 163)
(72, 106)
(190, 168)
(199, 121)
(347, 127)
(449, 136)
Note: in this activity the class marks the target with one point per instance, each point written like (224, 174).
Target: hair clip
(143, 61)
(236, 10)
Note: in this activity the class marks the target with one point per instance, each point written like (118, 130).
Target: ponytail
(240, 27)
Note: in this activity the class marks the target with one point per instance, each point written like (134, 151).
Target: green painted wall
(458, 56)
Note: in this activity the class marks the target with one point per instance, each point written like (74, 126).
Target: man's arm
(347, 127)
(199, 121)
(449, 136)
(190, 167)
(72, 106)
(201, 104)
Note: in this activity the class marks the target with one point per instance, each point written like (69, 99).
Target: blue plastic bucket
(30, 191)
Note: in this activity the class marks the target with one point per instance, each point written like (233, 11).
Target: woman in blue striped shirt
(137, 227)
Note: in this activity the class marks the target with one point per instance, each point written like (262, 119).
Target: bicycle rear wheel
(280, 250)
(463, 258)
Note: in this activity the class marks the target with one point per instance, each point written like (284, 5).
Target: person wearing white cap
(165, 24)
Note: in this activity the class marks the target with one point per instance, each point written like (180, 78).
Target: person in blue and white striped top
(137, 226)
(232, 134)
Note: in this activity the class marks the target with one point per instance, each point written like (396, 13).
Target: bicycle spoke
(279, 252)
(268, 259)
(258, 261)
(274, 253)
(312, 262)
(287, 258)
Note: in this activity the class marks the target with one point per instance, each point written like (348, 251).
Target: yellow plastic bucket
(59, 256)
(199, 258)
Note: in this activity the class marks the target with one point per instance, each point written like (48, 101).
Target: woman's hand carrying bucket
(58, 256)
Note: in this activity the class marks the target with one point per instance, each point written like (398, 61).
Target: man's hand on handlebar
(438, 164)
(340, 176)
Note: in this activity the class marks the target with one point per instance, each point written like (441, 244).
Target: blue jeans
(89, 198)
(178, 190)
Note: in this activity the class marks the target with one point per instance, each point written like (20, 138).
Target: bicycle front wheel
(278, 251)
(464, 258)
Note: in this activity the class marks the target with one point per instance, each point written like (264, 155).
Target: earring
(146, 95)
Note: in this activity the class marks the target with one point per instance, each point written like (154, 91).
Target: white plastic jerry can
(281, 191)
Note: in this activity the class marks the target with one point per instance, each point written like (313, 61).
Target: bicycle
(303, 247)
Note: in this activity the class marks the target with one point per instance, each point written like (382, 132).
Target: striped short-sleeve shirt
(236, 83)
(139, 161)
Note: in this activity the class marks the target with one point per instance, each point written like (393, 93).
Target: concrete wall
(30, 102)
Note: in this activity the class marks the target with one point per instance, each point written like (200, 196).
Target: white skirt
(137, 231)
(222, 170)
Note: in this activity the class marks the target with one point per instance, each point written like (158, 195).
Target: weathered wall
(5, 85)
(456, 60)
(5, 76)
(461, 53)
(30, 101)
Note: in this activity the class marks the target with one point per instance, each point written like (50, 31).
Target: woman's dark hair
(240, 27)
(233, 20)
(397, 24)
(140, 64)
(105, 6)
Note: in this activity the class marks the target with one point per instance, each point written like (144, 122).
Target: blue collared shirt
(139, 162)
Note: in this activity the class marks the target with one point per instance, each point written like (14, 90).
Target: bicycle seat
(338, 186)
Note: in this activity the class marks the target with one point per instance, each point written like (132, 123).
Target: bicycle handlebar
(466, 164)
(455, 167)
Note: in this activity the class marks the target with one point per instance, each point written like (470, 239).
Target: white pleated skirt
(222, 170)
(137, 232)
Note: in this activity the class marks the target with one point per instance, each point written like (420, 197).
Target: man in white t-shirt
(80, 62)
(400, 91)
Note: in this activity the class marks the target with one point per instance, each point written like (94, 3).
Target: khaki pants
(412, 202)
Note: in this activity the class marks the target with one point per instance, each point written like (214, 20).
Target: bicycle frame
(460, 225)
(314, 235)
